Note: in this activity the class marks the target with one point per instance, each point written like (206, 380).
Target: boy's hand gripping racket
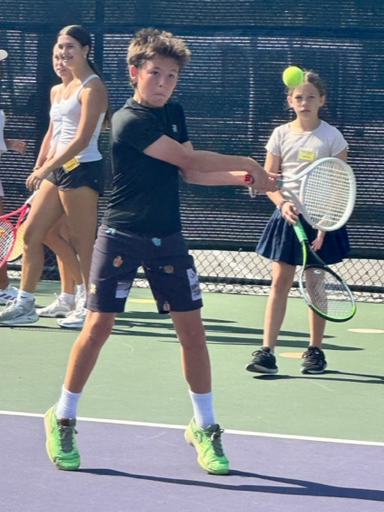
(11, 239)
(327, 193)
(323, 290)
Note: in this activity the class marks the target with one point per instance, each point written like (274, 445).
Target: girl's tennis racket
(327, 193)
(10, 242)
(323, 290)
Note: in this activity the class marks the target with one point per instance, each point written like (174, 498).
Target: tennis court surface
(295, 442)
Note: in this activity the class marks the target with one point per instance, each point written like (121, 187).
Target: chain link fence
(233, 98)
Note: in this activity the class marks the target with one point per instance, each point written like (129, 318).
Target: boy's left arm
(235, 178)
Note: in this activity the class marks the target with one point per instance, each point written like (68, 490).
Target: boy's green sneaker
(207, 443)
(61, 443)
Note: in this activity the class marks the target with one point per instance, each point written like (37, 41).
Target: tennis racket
(325, 292)
(11, 233)
(327, 193)
(18, 248)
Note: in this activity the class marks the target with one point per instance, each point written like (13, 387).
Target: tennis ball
(293, 76)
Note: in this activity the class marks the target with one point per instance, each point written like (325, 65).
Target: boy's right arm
(189, 160)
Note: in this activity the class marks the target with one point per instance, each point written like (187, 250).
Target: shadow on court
(296, 487)
(361, 378)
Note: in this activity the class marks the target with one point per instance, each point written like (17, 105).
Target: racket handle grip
(248, 178)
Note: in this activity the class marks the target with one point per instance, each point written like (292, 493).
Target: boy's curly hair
(149, 43)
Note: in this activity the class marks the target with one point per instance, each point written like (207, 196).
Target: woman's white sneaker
(9, 293)
(75, 319)
(59, 308)
(16, 313)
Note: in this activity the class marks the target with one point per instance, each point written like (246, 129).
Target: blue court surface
(150, 468)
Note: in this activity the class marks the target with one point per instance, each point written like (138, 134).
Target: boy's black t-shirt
(145, 190)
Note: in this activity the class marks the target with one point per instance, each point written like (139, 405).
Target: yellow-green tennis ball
(293, 76)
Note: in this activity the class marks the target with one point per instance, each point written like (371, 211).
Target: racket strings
(6, 239)
(326, 194)
(326, 293)
(18, 248)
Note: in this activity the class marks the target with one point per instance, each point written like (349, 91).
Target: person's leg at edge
(202, 432)
(4, 280)
(45, 211)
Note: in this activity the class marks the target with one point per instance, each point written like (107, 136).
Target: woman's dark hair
(84, 38)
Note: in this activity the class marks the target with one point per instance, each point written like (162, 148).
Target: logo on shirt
(174, 128)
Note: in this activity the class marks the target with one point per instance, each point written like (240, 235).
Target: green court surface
(138, 376)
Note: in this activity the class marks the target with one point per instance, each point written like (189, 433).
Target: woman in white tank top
(76, 178)
(58, 239)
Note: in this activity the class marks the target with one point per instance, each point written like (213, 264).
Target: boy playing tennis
(141, 226)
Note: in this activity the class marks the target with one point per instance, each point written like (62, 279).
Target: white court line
(182, 427)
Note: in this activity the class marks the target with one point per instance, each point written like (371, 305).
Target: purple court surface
(141, 468)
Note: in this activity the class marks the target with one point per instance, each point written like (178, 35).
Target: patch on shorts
(166, 306)
(122, 290)
(156, 241)
(193, 279)
(117, 262)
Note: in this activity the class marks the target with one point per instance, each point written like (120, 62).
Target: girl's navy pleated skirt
(279, 242)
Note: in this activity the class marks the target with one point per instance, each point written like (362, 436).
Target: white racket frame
(299, 200)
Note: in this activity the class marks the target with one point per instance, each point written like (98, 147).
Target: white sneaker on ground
(18, 314)
(75, 319)
(9, 293)
(58, 309)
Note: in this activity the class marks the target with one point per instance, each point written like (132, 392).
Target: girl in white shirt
(291, 148)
